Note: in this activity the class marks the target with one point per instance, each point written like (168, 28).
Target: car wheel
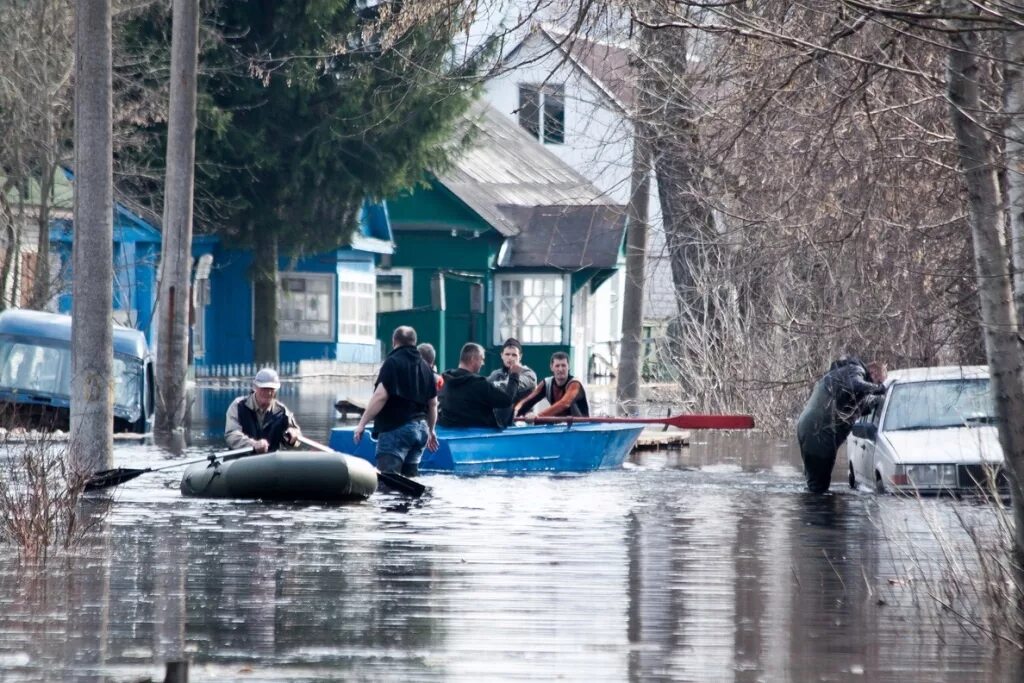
(879, 484)
(853, 478)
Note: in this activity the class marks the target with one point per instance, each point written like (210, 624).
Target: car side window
(876, 410)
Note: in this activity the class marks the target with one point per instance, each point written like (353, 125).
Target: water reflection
(711, 564)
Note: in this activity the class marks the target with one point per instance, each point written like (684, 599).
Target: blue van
(35, 373)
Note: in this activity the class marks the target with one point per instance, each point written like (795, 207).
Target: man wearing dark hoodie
(469, 400)
(512, 357)
(836, 402)
(403, 407)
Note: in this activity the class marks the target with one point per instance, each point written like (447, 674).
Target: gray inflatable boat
(283, 476)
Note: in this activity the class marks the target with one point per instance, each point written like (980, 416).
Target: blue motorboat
(521, 449)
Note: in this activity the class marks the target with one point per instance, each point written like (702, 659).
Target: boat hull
(283, 476)
(537, 448)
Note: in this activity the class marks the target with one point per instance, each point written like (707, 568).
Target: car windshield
(938, 404)
(29, 367)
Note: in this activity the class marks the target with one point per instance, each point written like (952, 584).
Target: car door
(862, 444)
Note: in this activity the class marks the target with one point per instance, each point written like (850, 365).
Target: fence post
(177, 672)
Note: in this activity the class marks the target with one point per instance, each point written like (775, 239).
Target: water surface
(709, 564)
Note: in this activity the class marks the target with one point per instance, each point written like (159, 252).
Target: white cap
(267, 379)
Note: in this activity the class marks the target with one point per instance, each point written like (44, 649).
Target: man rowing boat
(565, 394)
(258, 420)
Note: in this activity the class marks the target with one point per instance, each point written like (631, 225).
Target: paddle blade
(711, 421)
(401, 483)
(107, 478)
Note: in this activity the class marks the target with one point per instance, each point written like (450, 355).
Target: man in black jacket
(469, 400)
(836, 402)
(403, 407)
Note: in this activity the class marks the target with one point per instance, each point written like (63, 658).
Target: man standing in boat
(511, 357)
(258, 419)
(468, 399)
(403, 407)
(564, 393)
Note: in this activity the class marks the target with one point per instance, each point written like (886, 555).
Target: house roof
(567, 237)
(607, 65)
(506, 167)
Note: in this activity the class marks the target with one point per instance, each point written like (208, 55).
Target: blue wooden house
(136, 255)
(326, 303)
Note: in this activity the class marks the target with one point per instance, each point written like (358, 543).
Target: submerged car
(932, 432)
(35, 373)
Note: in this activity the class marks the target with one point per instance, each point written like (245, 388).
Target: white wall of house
(597, 144)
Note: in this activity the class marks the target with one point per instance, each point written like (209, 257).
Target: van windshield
(938, 404)
(29, 367)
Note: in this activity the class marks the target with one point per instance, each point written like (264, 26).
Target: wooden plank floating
(656, 439)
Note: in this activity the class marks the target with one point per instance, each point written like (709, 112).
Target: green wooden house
(511, 242)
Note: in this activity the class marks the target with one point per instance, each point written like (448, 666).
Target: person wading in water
(838, 399)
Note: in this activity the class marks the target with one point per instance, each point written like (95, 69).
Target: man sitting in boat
(468, 399)
(564, 393)
(258, 419)
(511, 357)
(429, 356)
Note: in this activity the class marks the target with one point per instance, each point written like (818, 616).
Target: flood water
(709, 564)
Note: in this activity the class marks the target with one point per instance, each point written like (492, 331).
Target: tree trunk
(991, 260)
(175, 256)
(41, 277)
(92, 359)
(6, 262)
(264, 286)
(1013, 79)
(630, 356)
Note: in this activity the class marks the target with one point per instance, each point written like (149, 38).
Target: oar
(119, 475)
(392, 479)
(680, 421)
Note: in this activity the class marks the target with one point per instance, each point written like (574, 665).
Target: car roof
(57, 327)
(945, 372)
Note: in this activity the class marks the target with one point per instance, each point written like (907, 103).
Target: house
(327, 307)
(326, 302)
(511, 242)
(576, 98)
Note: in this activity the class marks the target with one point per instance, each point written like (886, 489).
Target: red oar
(680, 421)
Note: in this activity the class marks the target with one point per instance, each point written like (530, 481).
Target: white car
(932, 432)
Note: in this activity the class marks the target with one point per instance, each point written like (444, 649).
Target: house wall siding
(598, 144)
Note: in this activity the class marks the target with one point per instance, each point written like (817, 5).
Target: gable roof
(607, 66)
(566, 237)
(506, 167)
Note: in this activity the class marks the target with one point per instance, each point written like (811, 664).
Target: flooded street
(709, 564)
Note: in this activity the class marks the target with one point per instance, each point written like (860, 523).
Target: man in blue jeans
(403, 407)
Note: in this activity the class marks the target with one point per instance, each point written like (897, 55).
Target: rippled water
(706, 565)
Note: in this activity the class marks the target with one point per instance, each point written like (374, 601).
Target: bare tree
(175, 258)
(92, 356)
(35, 121)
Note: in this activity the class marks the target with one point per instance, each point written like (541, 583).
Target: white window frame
(556, 93)
(500, 335)
(357, 277)
(287, 331)
(406, 295)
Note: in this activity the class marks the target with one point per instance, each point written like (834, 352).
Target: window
(358, 307)
(200, 300)
(394, 289)
(542, 112)
(532, 308)
(305, 307)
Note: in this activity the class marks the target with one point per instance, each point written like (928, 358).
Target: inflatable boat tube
(283, 476)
